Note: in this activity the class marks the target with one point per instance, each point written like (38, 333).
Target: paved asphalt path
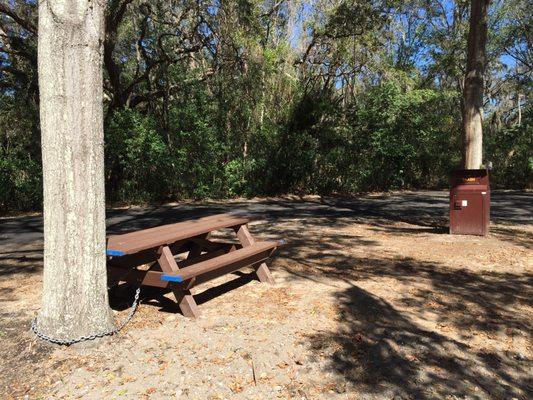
(425, 208)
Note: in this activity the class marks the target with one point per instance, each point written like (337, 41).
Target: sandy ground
(362, 308)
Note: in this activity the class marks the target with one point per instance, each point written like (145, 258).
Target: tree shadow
(513, 235)
(421, 208)
(381, 350)
(392, 350)
(122, 296)
(381, 345)
(21, 262)
(427, 210)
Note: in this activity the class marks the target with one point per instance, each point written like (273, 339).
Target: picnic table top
(134, 242)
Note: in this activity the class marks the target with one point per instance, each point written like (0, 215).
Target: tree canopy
(264, 97)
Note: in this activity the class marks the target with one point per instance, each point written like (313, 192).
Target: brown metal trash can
(470, 202)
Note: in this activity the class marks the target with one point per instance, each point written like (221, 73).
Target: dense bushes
(390, 138)
(511, 151)
(20, 180)
(394, 136)
(20, 157)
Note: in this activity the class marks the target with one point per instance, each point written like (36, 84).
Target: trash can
(470, 202)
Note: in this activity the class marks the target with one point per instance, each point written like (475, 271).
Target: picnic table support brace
(262, 271)
(184, 298)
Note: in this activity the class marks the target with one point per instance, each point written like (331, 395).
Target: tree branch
(23, 22)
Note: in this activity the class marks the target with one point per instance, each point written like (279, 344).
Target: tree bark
(75, 300)
(473, 87)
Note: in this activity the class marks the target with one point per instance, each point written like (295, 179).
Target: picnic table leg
(261, 269)
(183, 296)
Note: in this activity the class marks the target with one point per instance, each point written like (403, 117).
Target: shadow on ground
(383, 348)
(378, 348)
(121, 297)
(427, 209)
(20, 262)
(379, 345)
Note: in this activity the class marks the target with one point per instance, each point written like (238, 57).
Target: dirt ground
(366, 305)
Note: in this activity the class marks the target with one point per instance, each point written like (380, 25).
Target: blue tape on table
(116, 253)
(171, 278)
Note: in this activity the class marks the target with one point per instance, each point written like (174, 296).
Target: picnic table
(148, 256)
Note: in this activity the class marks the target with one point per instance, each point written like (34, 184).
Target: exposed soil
(363, 308)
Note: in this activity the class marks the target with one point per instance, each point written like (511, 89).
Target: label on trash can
(464, 203)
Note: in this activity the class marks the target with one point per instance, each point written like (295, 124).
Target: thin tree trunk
(519, 109)
(70, 52)
(473, 89)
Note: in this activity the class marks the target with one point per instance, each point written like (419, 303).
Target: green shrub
(511, 151)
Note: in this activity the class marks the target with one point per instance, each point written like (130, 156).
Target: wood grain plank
(239, 258)
(168, 235)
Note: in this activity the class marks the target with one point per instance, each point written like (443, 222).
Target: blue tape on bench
(116, 253)
(171, 278)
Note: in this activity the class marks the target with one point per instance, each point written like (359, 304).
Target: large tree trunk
(473, 88)
(75, 301)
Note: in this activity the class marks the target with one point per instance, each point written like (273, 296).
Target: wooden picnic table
(147, 257)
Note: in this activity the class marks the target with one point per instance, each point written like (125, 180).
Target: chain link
(68, 342)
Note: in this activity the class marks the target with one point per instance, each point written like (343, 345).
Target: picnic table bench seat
(147, 257)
